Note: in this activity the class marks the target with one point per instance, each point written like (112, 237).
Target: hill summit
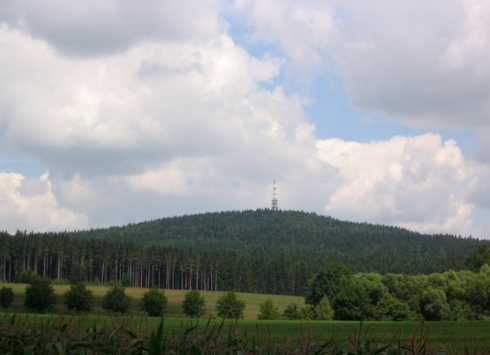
(305, 237)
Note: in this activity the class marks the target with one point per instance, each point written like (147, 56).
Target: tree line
(250, 251)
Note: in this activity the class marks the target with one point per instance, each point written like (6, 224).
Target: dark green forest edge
(399, 274)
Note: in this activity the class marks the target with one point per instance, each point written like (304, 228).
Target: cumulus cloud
(153, 112)
(424, 64)
(30, 204)
(415, 182)
(95, 28)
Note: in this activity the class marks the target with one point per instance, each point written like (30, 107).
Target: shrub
(126, 280)
(77, 274)
(353, 303)
(25, 276)
(116, 300)
(323, 310)
(193, 304)
(291, 311)
(268, 310)
(40, 295)
(392, 309)
(6, 297)
(154, 302)
(229, 306)
(307, 312)
(79, 298)
(328, 281)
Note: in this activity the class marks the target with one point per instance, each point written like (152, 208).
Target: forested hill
(361, 246)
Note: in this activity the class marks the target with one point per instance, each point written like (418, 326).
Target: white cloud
(95, 28)
(424, 64)
(30, 204)
(163, 114)
(415, 182)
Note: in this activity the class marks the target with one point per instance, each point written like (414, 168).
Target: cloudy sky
(120, 111)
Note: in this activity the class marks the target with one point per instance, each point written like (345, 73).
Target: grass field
(465, 335)
(464, 332)
(175, 298)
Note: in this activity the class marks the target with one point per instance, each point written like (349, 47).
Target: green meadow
(464, 334)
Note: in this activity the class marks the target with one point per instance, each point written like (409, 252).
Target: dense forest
(251, 251)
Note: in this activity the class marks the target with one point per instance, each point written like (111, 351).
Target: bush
(328, 281)
(116, 300)
(40, 295)
(126, 280)
(229, 306)
(154, 302)
(77, 274)
(79, 298)
(433, 305)
(268, 310)
(392, 309)
(6, 297)
(353, 303)
(25, 276)
(323, 310)
(193, 304)
(291, 311)
(307, 312)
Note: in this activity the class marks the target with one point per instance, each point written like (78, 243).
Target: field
(175, 298)
(463, 333)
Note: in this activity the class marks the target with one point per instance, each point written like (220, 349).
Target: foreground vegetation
(48, 334)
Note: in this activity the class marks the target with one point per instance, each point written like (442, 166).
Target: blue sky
(111, 114)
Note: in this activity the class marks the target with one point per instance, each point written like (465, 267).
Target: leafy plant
(25, 276)
(229, 306)
(268, 310)
(154, 302)
(292, 311)
(193, 304)
(6, 297)
(40, 295)
(79, 298)
(116, 300)
(323, 310)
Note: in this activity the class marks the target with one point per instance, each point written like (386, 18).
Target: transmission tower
(274, 198)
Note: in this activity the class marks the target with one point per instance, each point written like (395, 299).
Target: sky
(120, 111)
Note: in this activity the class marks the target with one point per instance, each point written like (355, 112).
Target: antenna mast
(274, 198)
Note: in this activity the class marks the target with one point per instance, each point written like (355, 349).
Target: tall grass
(62, 334)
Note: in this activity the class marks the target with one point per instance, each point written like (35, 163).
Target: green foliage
(477, 258)
(460, 310)
(327, 282)
(6, 297)
(323, 310)
(392, 309)
(193, 304)
(268, 310)
(230, 306)
(77, 274)
(292, 311)
(353, 303)
(154, 302)
(79, 298)
(116, 300)
(433, 305)
(40, 295)
(307, 312)
(25, 276)
(126, 280)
